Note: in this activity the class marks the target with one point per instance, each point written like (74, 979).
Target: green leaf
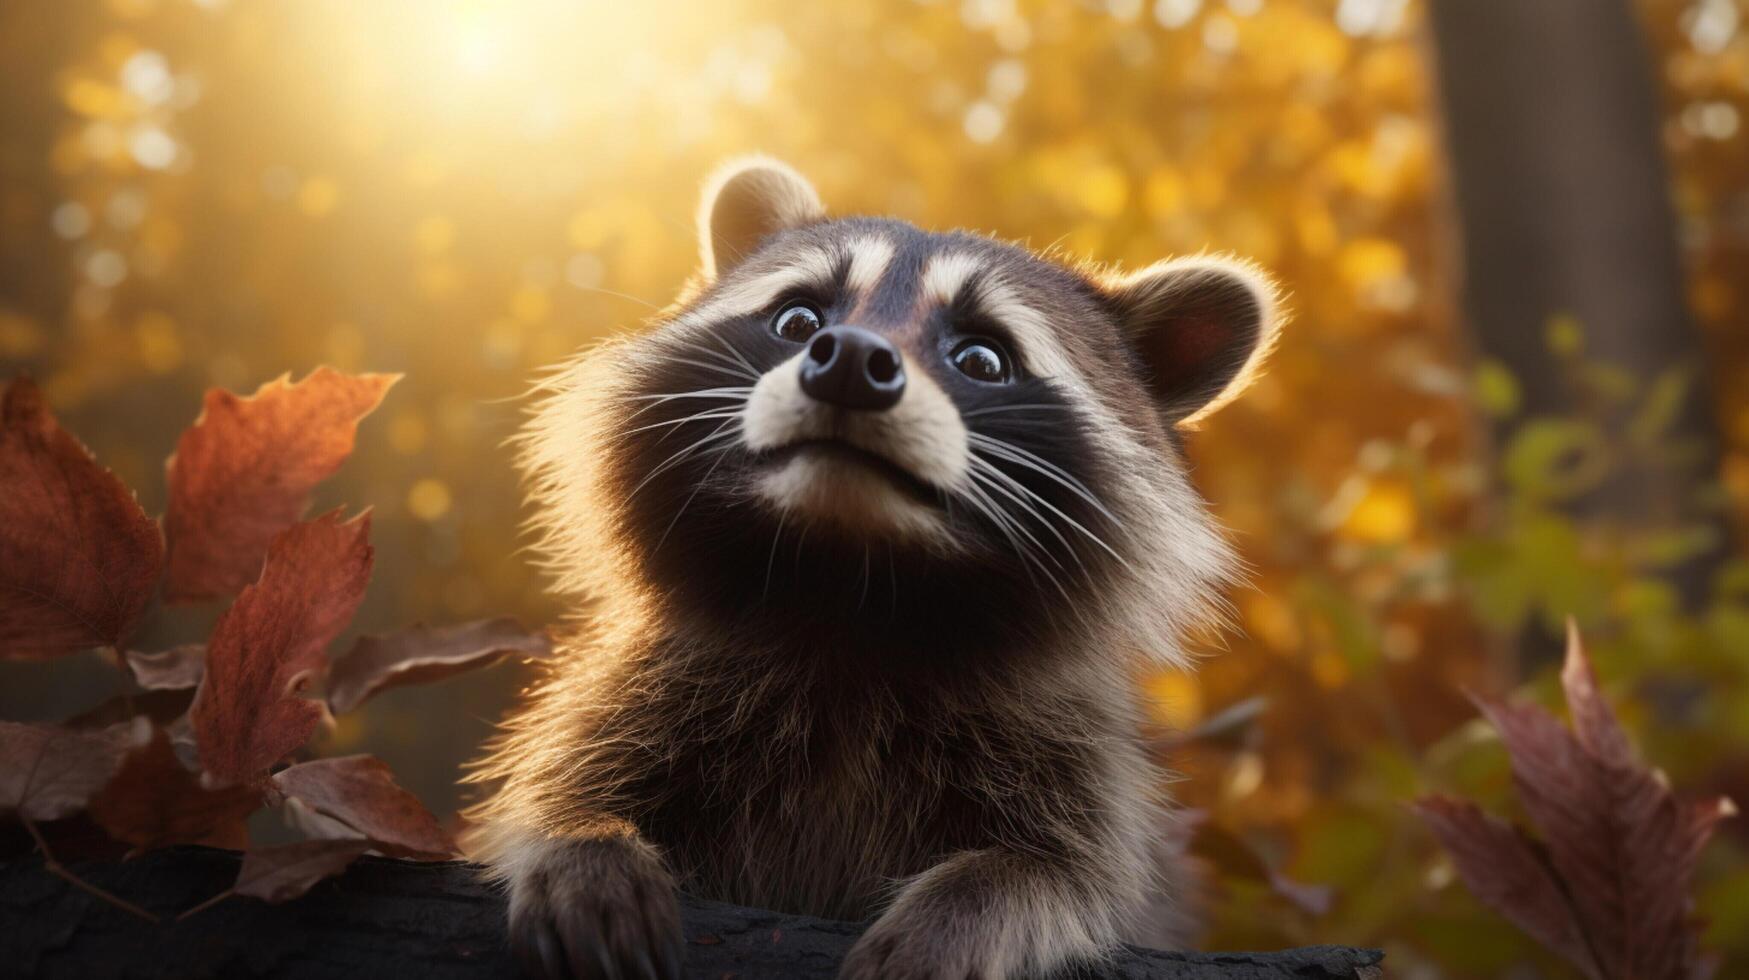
(1556, 459)
(1658, 410)
(1496, 389)
(1564, 335)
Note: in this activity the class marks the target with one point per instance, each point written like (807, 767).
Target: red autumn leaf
(48, 772)
(164, 708)
(175, 669)
(361, 793)
(1618, 843)
(282, 873)
(78, 557)
(1509, 872)
(247, 714)
(244, 471)
(424, 653)
(155, 801)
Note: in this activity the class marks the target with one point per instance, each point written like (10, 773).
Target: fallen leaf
(157, 707)
(169, 670)
(79, 559)
(48, 772)
(282, 873)
(360, 792)
(1236, 858)
(244, 471)
(155, 801)
(1509, 872)
(247, 714)
(422, 653)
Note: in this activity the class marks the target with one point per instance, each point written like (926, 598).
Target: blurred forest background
(1516, 236)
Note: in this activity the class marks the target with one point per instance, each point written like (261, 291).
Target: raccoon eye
(981, 360)
(796, 322)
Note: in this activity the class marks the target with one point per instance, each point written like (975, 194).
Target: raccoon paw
(596, 910)
(886, 952)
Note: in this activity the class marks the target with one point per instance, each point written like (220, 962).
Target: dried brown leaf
(162, 708)
(48, 772)
(282, 873)
(175, 669)
(1620, 845)
(1594, 721)
(360, 792)
(155, 801)
(1509, 872)
(423, 653)
(79, 559)
(244, 471)
(247, 714)
(1234, 857)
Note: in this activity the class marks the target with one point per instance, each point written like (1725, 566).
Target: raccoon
(878, 524)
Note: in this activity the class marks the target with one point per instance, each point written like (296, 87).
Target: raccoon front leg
(598, 906)
(990, 915)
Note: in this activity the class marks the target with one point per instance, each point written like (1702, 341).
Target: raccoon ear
(1202, 326)
(746, 200)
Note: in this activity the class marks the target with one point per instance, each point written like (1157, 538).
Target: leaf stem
(209, 903)
(56, 868)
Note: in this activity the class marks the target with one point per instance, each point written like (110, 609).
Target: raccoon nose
(853, 368)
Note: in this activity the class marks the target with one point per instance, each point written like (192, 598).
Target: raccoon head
(854, 432)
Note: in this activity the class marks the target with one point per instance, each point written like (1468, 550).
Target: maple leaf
(175, 669)
(79, 559)
(360, 792)
(244, 471)
(1608, 886)
(1509, 871)
(48, 772)
(422, 653)
(282, 873)
(247, 714)
(155, 801)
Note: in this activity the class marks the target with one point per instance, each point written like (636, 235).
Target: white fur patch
(869, 257)
(812, 268)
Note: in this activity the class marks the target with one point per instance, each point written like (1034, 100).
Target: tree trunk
(386, 918)
(1561, 192)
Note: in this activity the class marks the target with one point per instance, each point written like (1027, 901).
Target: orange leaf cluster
(79, 564)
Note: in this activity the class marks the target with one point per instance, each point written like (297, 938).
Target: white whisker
(735, 352)
(680, 456)
(996, 409)
(771, 559)
(1096, 539)
(994, 512)
(707, 415)
(721, 455)
(1028, 507)
(1033, 461)
(728, 367)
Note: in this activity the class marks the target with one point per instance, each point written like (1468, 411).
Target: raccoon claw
(596, 910)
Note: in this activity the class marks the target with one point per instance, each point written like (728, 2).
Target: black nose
(853, 368)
